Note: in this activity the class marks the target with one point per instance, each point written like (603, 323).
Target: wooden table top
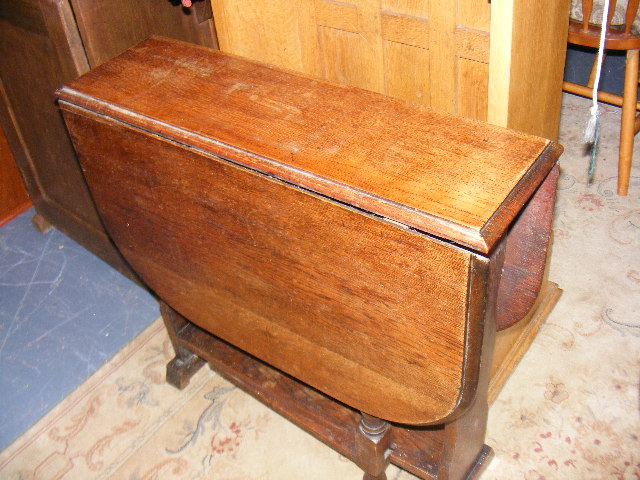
(451, 177)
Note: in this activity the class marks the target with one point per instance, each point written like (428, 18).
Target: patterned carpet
(569, 411)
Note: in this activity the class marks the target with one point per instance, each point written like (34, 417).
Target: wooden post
(464, 449)
(185, 364)
(373, 437)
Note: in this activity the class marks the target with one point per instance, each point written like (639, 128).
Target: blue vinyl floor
(63, 314)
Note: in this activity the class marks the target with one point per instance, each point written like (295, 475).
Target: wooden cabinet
(13, 195)
(45, 43)
(498, 60)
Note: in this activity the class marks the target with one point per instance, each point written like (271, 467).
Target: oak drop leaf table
(343, 256)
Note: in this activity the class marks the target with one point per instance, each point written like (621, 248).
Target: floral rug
(570, 410)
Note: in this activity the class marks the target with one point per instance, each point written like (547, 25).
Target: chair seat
(596, 14)
(616, 40)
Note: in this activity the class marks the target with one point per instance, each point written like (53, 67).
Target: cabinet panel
(13, 195)
(414, 8)
(42, 48)
(279, 32)
(30, 74)
(25, 15)
(363, 43)
(473, 85)
(475, 14)
(346, 59)
(406, 30)
(110, 27)
(407, 70)
(341, 58)
(368, 44)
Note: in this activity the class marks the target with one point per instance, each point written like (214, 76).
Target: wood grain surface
(435, 53)
(110, 27)
(341, 236)
(368, 44)
(457, 179)
(364, 310)
(526, 256)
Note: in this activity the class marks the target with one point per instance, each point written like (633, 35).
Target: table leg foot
(41, 224)
(186, 363)
(181, 369)
(382, 476)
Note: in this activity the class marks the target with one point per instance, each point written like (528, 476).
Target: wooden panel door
(434, 52)
(495, 60)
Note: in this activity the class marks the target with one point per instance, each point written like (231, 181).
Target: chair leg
(627, 128)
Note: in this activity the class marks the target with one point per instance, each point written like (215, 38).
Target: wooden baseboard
(513, 342)
(14, 212)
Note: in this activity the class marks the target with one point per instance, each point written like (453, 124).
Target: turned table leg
(373, 438)
(186, 363)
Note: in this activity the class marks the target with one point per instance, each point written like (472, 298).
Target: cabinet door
(434, 52)
(41, 48)
(39, 51)
(110, 27)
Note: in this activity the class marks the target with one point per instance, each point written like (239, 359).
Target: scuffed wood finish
(28, 44)
(185, 363)
(501, 60)
(463, 443)
(419, 450)
(395, 159)
(408, 50)
(40, 49)
(427, 452)
(373, 441)
(329, 249)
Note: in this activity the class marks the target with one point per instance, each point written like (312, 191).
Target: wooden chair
(618, 37)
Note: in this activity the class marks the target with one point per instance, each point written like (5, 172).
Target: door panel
(417, 50)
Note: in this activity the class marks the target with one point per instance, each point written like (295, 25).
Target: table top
(453, 178)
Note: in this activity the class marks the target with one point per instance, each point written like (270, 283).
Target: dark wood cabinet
(13, 196)
(46, 43)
